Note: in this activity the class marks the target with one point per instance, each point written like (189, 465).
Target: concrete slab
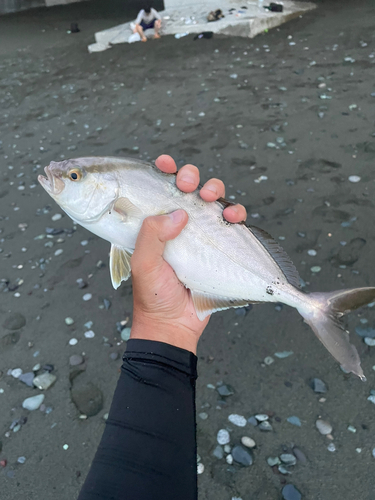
(239, 20)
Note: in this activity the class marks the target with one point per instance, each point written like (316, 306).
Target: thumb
(153, 235)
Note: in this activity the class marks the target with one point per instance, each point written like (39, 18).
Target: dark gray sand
(181, 97)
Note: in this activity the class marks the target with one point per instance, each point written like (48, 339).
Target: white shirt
(147, 18)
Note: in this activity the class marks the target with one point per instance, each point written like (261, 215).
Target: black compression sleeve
(148, 448)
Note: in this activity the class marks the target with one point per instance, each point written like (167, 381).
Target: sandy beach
(284, 120)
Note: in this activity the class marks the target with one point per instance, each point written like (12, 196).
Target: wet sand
(182, 97)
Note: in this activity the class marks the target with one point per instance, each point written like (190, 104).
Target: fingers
(154, 233)
(213, 190)
(188, 178)
(235, 214)
(166, 164)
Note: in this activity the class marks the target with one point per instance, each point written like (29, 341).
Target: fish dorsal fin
(119, 265)
(207, 303)
(281, 258)
(126, 208)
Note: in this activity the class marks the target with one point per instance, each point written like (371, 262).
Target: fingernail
(177, 216)
(188, 179)
(211, 188)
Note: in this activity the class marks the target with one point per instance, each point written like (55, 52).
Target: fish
(223, 265)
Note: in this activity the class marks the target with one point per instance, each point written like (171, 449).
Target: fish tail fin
(324, 320)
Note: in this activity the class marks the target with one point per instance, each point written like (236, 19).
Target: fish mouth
(52, 184)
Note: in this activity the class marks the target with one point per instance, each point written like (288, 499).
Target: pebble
(58, 252)
(69, 321)
(73, 341)
(88, 324)
(87, 397)
(294, 421)
(265, 426)
(283, 470)
(354, 178)
(253, 421)
(87, 296)
(323, 427)
(27, 378)
(227, 448)
(268, 360)
(369, 341)
(218, 452)
(75, 360)
(65, 446)
(16, 373)
(229, 459)
(200, 469)
(312, 252)
(242, 456)
(21, 460)
(248, 442)
(125, 334)
(283, 354)
(301, 457)
(33, 403)
(371, 398)
(318, 386)
(261, 417)
(223, 436)
(89, 334)
(36, 367)
(44, 381)
(238, 420)
(331, 447)
(114, 356)
(288, 459)
(351, 428)
(373, 452)
(56, 217)
(225, 390)
(290, 492)
(315, 269)
(272, 461)
(203, 415)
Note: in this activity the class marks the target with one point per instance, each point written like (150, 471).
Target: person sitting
(148, 18)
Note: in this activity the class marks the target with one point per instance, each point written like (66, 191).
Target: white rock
(312, 252)
(73, 341)
(331, 447)
(261, 417)
(56, 217)
(200, 468)
(69, 321)
(223, 436)
(238, 420)
(229, 459)
(33, 403)
(16, 373)
(248, 442)
(89, 334)
(369, 341)
(58, 252)
(87, 297)
(44, 381)
(227, 448)
(323, 427)
(354, 178)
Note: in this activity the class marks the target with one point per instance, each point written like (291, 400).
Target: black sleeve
(148, 448)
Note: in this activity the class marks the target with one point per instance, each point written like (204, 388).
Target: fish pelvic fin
(324, 320)
(207, 303)
(119, 265)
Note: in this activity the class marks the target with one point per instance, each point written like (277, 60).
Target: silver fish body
(224, 265)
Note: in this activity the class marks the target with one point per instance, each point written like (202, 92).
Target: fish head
(84, 187)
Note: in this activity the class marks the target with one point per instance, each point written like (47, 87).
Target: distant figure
(147, 18)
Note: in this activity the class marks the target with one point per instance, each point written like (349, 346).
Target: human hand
(163, 307)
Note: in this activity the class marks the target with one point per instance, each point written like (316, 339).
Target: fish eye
(75, 175)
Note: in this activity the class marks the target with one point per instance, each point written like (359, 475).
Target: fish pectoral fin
(119, 265)
(207, 303)
(126, 208)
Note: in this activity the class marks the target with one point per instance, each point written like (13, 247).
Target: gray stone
(27, 378)
(225, 390)
(125, 334)
(33, 403)
(14, 321)
(75, 360)
(318, 386)
(87, 397)
(290, 492)
(9, 340)
(218, 452)
(272, 461)
(301, 457)
(114, 356)
(253, 421)
(323, 427)
(265, 426)
(242, 456)
(288, 459)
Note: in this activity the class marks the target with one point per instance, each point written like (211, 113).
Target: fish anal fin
(281, 258)
(119, 265)
(206, 303)
(126, 208)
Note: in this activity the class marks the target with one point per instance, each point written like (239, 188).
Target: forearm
(148, 449)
